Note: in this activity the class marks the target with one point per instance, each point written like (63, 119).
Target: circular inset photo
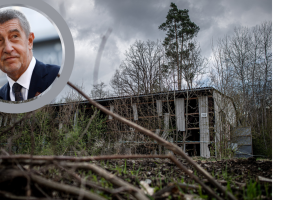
(36, 55)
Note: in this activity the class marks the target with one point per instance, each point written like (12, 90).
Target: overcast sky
(132, 20)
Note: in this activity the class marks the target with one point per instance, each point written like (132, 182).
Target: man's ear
(30, 40)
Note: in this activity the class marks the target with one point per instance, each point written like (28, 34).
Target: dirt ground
(235, 172)
(240, 176)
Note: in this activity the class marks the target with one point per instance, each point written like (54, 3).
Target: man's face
(15, 49)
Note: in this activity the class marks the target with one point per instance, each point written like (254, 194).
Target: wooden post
(166, 125)
(186, 122)
(75, 118)
(60, 126)
(159, 107)
(204, 126)
(217, 126)
(179, 112)
(135, 113)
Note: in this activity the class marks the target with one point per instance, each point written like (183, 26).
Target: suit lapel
(4, 92)
(37, 83)
(7, 92)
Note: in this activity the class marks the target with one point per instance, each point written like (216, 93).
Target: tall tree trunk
(177, 60)
(181, 60)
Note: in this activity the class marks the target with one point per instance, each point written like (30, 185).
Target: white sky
(39, 24)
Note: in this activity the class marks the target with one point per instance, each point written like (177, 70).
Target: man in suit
(27, 77)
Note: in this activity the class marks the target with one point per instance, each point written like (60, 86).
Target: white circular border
(68, 56)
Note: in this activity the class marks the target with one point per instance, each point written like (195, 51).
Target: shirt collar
(25, 78)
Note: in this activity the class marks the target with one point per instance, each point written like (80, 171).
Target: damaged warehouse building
(198, 120)
(201, 121)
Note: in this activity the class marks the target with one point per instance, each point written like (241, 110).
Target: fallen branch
(208, 190)
(170, 188)
(88, 183)
(91, 158)
(234, 182)
(136, 192)
(80, 159)
(160, 141)
(12, 173)
(42, 191)
(121, 189)
(263, 179)
(188, 186)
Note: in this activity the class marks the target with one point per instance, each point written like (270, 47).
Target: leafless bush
(242, 70)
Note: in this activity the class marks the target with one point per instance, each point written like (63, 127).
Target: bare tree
(265, 30)
(193, 64)
(72, 96)
(242, 69)
(98, 91)
(139, 73)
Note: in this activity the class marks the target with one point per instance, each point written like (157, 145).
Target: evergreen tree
(180, 30)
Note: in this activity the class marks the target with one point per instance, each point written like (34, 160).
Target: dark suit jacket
(42, 77)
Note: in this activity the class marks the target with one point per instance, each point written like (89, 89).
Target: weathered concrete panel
(159, 107)
(111, 108)
(166, 125)
(204, 126)
(179, 112)
(135, 113)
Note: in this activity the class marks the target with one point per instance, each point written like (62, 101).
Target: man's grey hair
(9, 14)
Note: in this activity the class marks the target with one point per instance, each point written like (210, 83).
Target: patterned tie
(17, 90)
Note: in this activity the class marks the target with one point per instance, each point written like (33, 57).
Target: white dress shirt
(24, 80)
